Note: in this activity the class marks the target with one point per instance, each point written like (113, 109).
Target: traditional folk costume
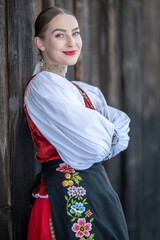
(74, 131)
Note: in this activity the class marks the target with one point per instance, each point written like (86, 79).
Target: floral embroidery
(82, 228)
(78, 207)
(81, 191)
(71, 179)
(67, 183)
(64, 168)
(109, 156)
(72, 191)
(76, 203)
(67, 175)
(88, 213)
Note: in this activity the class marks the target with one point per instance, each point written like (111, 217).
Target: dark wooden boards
(5, 164)
(121, 55)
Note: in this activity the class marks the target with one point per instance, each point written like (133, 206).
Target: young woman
(74, 131)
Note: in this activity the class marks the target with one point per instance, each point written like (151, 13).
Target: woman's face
(62, 42)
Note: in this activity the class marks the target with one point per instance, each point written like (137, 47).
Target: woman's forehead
(63, 21)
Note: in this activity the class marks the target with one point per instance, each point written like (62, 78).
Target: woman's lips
(69, 53)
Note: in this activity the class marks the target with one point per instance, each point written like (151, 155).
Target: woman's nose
(70, 41)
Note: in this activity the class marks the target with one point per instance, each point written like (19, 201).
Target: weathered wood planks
(121, 55)
(5, 163)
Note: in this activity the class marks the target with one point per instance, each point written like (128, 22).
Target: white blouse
(81, 136)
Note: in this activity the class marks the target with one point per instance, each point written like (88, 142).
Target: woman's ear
(39, 43)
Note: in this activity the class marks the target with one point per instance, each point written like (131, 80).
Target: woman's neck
(58, 69)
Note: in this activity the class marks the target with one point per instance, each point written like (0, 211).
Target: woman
(74, 131)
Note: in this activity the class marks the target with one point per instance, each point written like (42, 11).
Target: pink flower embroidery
(82, 228)
(65, 168)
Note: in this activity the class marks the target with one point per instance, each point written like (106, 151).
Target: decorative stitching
(115, 138)
(76, 203)
(51, 229)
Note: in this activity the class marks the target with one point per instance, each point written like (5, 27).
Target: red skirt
(40, 222)
(39, 227)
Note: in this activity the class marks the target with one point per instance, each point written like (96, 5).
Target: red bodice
(45, 150)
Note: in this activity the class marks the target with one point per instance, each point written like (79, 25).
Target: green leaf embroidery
(76, 181)
(84, 200)
(91, 220)
(77, 214)
(91, 237)
(73, 219)
(66, 198)
(75, 174)
(69, 214)
(78, 177)
(79, 197)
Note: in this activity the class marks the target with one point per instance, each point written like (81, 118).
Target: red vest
(45, 150)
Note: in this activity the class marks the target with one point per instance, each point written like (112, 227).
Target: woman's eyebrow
(63, 30)
(75, 29)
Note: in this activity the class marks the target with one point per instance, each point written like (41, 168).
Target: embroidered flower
(78, 207)
(68, 175)
(81, 191)
(65, 183)
(75, 192)
(72, 191)
(81, 228)
(65, 168)
(70, 183)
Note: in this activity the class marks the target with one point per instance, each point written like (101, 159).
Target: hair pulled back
(45, 17)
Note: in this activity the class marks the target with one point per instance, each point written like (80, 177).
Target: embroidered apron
(83, 203)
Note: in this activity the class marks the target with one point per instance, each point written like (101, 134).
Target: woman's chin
(73, 62)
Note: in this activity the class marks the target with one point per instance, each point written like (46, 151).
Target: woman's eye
(59, 36)
(76, 33)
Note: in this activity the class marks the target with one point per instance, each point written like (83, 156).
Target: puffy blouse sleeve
(118, 118)
(121, 122)
(81, 136)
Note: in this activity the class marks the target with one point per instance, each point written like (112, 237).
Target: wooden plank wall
(5, 168)
(141, 57)
(121, 55)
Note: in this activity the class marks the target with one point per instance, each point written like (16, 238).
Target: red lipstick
(69, 53)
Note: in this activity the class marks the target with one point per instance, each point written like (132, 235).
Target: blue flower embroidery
(78, 207)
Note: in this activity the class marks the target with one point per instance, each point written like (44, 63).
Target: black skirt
(83, 203)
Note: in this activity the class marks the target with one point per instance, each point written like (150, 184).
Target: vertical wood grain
(5, 164)
(150, 177)
(111, 82)
(120, 55)
(133, 104)
(20, 57)
(141, 81)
